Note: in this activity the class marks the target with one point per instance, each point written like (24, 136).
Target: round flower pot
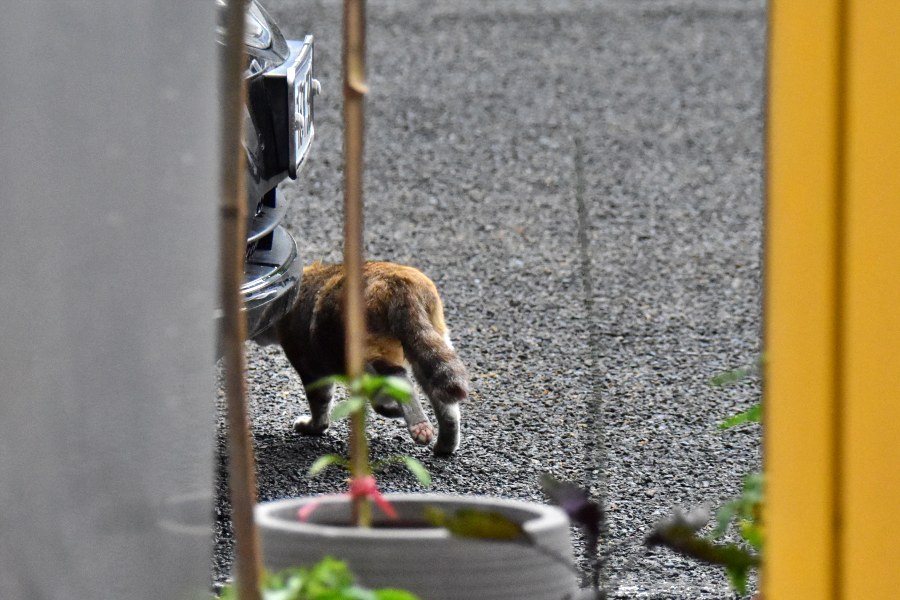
(412, 555)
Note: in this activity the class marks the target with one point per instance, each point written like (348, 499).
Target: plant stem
(354, 95)
(242, 469)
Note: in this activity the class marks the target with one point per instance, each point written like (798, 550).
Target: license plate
(300, 87)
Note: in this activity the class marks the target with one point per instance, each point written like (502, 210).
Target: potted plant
(413, 554)
(437, 546)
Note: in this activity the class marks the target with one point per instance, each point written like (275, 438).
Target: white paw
(306, 426)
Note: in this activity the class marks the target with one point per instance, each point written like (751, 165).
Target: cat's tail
(418, 323)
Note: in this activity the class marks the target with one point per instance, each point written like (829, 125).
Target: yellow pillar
(870, 430)
(832, 309)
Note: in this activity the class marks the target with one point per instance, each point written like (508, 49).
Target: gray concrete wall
(107, 286)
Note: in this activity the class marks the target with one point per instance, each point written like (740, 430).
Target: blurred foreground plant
(329, 579)
(680, 531)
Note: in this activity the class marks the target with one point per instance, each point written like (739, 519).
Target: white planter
(427, 561)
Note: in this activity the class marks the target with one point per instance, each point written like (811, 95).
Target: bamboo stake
(242, 469)
(354, 95)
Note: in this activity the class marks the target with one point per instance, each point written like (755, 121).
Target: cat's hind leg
(446, 409)
(443, 379)
(420, 428)
(418, 323)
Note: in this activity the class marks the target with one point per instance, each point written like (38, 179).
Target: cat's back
(322, 278)
(398, 276)
(390, 289)
(319, 275)
(390, 283)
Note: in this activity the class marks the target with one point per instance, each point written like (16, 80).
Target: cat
(404, 326)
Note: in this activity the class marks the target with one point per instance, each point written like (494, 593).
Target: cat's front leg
(319, 398)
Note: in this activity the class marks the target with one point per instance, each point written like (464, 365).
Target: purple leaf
(576, 503)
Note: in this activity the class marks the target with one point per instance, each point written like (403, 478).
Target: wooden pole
(242, 468)
(354, 124)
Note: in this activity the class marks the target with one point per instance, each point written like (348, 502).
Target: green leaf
(323, 462)
(723, 518)
(417, 469)
(352, 593)
(347, 407)
(288, 593)
(746, 509)
(370, 386)
(753, 491)
(735, 375)
(367, 385)
(737, 576)
(329, 579)
(753, 415)
(732, 376)
(392, 594)
(397, 388)
(752, 533)
(477, 524)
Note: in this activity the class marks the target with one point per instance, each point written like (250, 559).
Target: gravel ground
(582, 180)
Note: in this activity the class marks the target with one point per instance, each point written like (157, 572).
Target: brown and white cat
(405, 326)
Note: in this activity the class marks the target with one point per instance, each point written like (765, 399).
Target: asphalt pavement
(583, 181)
